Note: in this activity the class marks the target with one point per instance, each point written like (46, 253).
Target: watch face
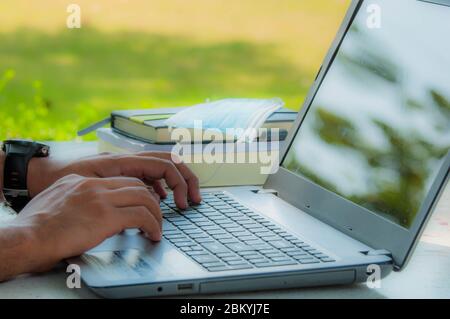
(40, 150)
(19, 142)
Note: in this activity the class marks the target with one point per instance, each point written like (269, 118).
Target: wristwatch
(18, 155)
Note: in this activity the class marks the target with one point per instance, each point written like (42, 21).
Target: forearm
(17, 254)
(12, 244)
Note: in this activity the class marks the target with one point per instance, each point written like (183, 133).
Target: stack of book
(232, 163)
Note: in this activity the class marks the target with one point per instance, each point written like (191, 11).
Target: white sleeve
(6, 212)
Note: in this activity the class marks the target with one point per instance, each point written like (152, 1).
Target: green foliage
(30, 120)
(55, 84)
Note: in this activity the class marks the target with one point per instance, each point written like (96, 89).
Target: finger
(188, 175)
(154, 194)
(139, 217)
(134, 196)
(158, 188)
(110, 182)
(156, 168)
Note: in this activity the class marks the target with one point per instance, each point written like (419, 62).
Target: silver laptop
(360, 175)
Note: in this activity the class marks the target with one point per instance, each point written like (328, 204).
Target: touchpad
(131, 255)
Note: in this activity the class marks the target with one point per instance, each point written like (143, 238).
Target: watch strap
(16, 167)
(15, 173)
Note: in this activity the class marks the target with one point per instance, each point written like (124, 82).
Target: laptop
(359, 176)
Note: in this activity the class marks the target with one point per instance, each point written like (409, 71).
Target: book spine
(127, 143)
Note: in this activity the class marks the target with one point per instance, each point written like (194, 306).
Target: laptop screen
(378, 128)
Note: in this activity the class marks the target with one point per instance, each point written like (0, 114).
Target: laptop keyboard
(221, 234)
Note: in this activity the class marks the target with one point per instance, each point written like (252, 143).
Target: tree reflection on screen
(379, 126)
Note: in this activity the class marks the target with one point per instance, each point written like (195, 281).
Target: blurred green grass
(54, 83)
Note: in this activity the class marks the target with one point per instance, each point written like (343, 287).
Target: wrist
(42, 172)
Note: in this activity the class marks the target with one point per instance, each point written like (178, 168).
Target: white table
(427, 275)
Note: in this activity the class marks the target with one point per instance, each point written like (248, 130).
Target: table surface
(426, 276)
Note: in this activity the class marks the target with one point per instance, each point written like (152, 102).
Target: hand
(76, 214)
(149, 167)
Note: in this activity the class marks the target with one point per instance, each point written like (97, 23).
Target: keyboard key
(214, 264)
(327, 259)
(237, 262)
(257, 230)
(212, 227)
(195, 231)
(219, 237)
(228, 210)
(281, 259)
(313, 251)
(239, 247)
(218, 268)
(236, 229)
(296, 254)
(309, 261)
(205, 258)
(184, 244)
(188, 227)
(227, 255)
(231, 258)
(249, 238)
(205, 211)
(179, 239)
(198, 235)
(168, 226)
(281, 244)
(254, 257)
(219, 219)
(274, 255)
(197, 252)
(261, 246)
(216, 232)
(261, 261)
(220, 207)
(241, 234)
(229, 225)
(205, 240)
(268, 251)
(239, 267)
(229, 241)
(203, 224)
(170, 234)
(247, 253)
(216, 248)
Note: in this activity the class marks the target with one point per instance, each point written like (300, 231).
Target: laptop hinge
(377, 252)
(266, 191)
